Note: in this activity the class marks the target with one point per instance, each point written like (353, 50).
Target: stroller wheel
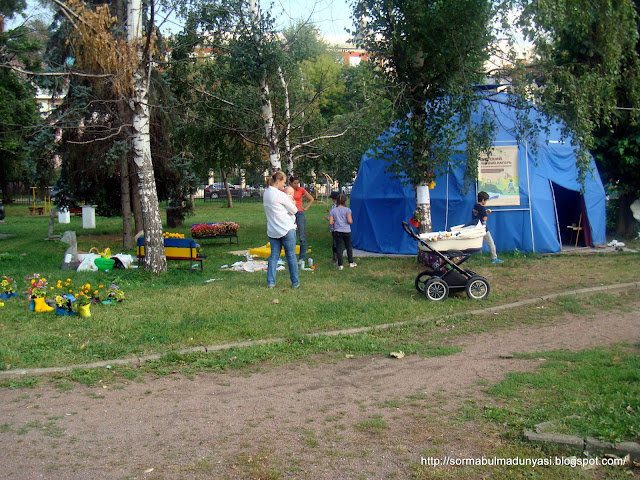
(436, 289)
(422, 279)
(477, 287)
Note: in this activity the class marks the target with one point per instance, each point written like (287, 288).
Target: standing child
(480, 213)
(334, 256)
(341, 220)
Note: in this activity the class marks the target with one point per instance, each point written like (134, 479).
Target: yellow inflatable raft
(265, 251)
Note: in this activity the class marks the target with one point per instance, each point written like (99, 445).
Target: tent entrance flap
(573, 224)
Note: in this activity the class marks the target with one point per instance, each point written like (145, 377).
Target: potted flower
(37, 291)
(113, 295)
(8, 287)
(64, 303)
(84, 305)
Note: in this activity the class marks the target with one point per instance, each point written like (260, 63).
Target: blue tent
(550, 198)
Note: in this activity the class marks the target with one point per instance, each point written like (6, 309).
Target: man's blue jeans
(301, 223)
(289, 244)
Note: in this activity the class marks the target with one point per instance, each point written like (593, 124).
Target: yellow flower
(68, 279)
(100, 286)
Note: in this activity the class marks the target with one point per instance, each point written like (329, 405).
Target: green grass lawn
(179, 309)
(589, 393)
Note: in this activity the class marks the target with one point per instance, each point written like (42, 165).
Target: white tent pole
(526, 156)
(555, 210)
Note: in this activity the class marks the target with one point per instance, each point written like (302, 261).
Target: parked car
(217, 190)
(254, 192)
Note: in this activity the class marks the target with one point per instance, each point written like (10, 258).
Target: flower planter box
(211, 231)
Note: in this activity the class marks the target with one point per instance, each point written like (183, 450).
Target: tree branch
(309, 142)
(56, 74)
(101, 139)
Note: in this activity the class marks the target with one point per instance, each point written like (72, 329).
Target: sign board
(498, 176)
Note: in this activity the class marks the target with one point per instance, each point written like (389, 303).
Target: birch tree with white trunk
(271, 130)
(154, 259)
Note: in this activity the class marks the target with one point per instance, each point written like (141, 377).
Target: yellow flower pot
(84, 311)
(41, 305)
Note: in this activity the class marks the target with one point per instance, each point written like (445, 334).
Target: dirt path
(370, 417)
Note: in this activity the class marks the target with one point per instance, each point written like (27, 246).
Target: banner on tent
(498, 176)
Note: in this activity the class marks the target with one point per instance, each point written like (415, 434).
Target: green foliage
(587, 67)
(19, 114)
(220, 92)
(18, 109)
(417, 45)
(355, 106)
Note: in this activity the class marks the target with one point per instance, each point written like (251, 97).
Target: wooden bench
(33, 210)
(182, 249)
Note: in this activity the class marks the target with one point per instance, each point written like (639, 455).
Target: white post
(88, 216)
(64, 216)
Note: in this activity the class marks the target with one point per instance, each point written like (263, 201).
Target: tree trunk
(124, 115)
(154, 259)
(271, 131)
(269, 125)
(287, 126)
(225, 176)
(52, 221)
(125, 201)
(423, 214)
(626, 227)
(135, 199)
(6, 199)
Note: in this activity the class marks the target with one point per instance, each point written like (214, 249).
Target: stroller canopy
(545, 202)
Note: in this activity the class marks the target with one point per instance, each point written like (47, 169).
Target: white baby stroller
(452, 248)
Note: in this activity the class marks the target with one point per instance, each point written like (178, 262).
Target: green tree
(18, 109)
(617, 147)
(96, 120)
(257, 80)
(19, 114)
(354, 104)
(587, 72)
(586, 65)
(432, 53)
